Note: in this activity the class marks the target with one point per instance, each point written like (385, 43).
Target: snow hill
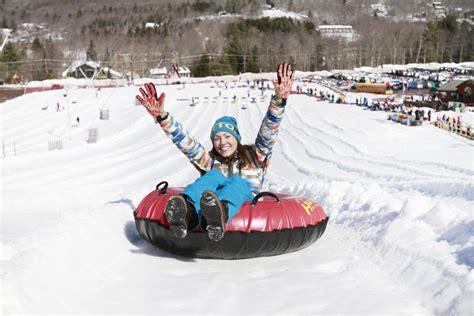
(399, 238)
(280, 13)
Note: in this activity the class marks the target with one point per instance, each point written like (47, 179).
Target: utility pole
(209, 66)
(66, 95)
(6, 33)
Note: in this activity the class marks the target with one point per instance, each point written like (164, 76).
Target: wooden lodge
(457, 91)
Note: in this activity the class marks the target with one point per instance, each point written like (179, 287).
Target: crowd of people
(453, 124)
(391, 104)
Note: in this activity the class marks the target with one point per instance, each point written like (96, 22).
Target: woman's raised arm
(267, 135)
(188, 145)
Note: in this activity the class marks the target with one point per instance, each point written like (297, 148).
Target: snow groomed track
(400, 202)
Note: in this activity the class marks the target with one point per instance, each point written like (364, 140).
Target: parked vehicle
(380, 88)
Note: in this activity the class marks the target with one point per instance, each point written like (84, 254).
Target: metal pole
(68, 115)
(209, 66)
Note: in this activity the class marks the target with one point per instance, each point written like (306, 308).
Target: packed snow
(399, 238)
(266, 13)
(280, 13)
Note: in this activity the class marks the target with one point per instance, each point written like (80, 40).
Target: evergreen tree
(212, 66)
(223, 66)
(107, 56)
(234, 6)
(9, 61)
(253, 62)
(9, 54)
(48, 70)
(255, 8)
(317, 58)
(45, 71)
(13, 26)
(4, 23)
(430, 40)
(36, 45)
(235, 51)
(292, 61)
(270, 3)
(203, 68)
(91, 54)
(448, 23)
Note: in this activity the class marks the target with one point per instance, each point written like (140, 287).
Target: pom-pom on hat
(226, 124)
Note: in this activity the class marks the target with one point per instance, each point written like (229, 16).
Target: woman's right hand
(154, 105)
(285, 81)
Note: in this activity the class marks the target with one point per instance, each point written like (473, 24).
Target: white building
(436, 5)
(163, 73)
(91, 70)
(158, 73)
(184, 71)
(439, 10)
(151, 25)
(379, 9)
(344, 31)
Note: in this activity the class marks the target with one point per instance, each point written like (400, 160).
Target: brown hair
(242, 155)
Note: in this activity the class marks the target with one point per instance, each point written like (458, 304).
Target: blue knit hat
(226, 124)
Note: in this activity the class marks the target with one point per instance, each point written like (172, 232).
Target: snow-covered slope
(399, 199)
(279, 13)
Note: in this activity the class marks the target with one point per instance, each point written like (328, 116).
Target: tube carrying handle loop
(164, 189)
(262, 194)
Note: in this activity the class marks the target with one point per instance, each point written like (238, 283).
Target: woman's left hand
(153, 104)
(285, 81)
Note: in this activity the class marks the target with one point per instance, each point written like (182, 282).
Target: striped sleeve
(267, 135)
(188, 145)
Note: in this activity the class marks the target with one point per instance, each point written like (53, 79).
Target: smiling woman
(231, 173)
(225, 136)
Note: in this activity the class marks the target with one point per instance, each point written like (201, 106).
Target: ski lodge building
(164, 73)
(458, 91)
(91, 70)
(344, 31)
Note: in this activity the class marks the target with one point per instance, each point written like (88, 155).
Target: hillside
(230, 36)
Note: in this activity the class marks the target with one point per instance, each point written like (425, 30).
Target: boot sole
(212, 212)
(175, 213)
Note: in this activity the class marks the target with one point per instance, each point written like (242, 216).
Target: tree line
(118, 36)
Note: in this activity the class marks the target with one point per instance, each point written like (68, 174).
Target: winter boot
(215, 212)
(178, 212)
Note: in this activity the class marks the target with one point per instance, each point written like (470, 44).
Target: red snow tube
(270, 226)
